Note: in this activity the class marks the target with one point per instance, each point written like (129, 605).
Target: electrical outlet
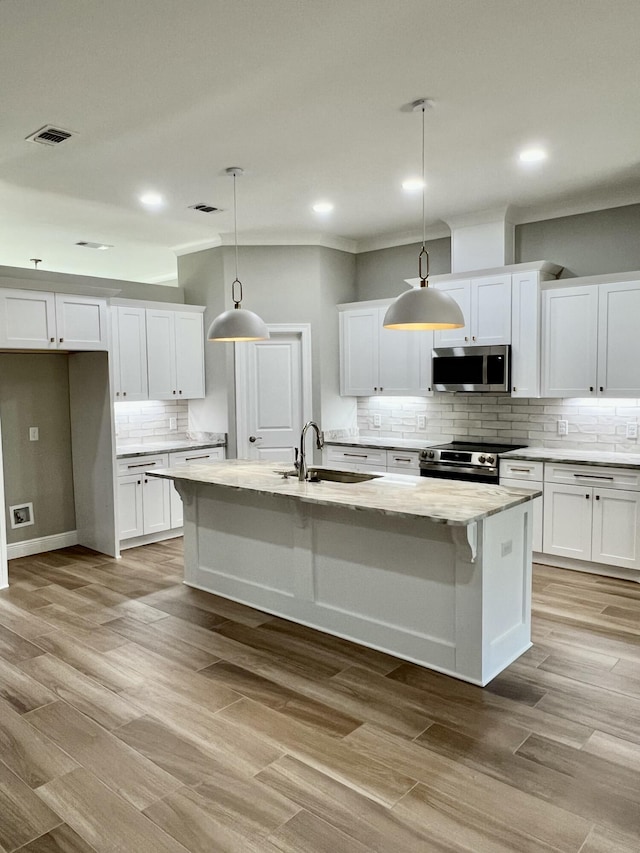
(422, 423)
(173, 424)
(377, 420)
(563, 427)
(632, 429)
(34, 433)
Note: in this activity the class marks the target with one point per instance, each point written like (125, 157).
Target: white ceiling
(306, 95)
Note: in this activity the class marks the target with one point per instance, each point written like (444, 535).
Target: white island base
(453, 598)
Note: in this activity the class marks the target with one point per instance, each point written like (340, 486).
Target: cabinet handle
(52, 340)
(117, 393)
(124, 393)
(593, 476)
(587, 497)
(473, 337)
(602, 388)
(191, 458)
(514, 388)
(179, 392)
(142, 465)
(597, 497)
(382, 389)
(357, 455)
(139, 482)
(61, 340)
(146, 481)
(466, 338)
(590, 387)
(175, 392)
(401, 459)
(522, 470)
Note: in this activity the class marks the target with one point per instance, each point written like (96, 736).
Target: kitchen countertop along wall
(582, 457)
(151, 448)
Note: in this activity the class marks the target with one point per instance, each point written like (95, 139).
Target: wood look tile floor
(139, 715)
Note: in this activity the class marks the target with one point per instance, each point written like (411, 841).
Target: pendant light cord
(236, 281)
(424, 255)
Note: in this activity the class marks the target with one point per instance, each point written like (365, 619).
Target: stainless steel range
(463, 460)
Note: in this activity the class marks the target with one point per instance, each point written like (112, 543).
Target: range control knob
(491, 460)
(430, 454)
(481, 459)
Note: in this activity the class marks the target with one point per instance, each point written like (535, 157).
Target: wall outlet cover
(21, 515)
(422, 422)
(563, 427)
(173, 424)
(632, 429)
(34, 434)
(377, 420)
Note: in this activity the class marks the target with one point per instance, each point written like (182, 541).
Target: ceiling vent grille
(205, 208)
(89, 245)
(49, 135)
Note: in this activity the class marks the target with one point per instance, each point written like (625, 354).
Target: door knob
(254, 438)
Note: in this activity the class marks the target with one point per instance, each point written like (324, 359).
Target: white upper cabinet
(525, 334)
(619, 340)
(31, 319)
(175, 354)
(130, 353)
(486, 306)
(375, 360)
(590, 341)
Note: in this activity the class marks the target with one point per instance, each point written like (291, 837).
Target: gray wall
(381, 274)
(586, 244)
(34, 391)
(283, 284)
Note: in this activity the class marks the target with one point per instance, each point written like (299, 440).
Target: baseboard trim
(28, 547)
(603, 569)
(151, 538)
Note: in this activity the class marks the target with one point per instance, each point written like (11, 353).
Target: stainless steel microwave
(472, 370)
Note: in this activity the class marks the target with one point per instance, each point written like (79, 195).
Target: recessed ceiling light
(533, 155)
(323, 207)
(413, 185)
(87, 244)
(151, 199)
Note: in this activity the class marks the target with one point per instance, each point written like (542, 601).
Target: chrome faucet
(301, 459)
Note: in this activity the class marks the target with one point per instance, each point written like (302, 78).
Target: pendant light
(237, 324)
(423, 307)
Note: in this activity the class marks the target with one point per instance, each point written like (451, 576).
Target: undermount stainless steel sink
(318, 475)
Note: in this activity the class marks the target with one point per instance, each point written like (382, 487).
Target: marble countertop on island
(151, 448)
(600, 458)
(441, 501)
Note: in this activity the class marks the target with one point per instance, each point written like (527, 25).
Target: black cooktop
(476, 446)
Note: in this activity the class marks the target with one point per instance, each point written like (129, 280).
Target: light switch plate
(377, 420)
(632, 429)
(34, 434)
(173, 424)
(422, 422)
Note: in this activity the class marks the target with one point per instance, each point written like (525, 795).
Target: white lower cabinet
(593, 514)
(144, 503)
(371, 459)
(213, 454)
(526, 475)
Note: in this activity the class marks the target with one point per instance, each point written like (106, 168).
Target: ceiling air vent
(49, 135)
(88, 245)
(205, 208)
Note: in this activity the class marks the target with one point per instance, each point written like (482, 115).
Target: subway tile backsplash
(593, 424)
(148, 421)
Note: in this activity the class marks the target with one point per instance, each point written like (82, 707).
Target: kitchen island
(437, 572)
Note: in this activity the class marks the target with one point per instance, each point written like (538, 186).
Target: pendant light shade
(424, 307)
(237, 324)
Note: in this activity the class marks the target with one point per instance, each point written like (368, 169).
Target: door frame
(241, 364)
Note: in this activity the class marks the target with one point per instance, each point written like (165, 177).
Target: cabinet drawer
(518, 469)
(404, 459)
(357, 456)
(134, 464)
(593, 475)
(210, 454)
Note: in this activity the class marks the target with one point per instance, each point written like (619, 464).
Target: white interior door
(273, 390)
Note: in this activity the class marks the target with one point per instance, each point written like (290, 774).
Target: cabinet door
(618, 339)
(131, 338)
(569, 346)
(398, 360)
(176, 509)
(491, 310)
(525, 335)
(161, 355)
(27, 320)
(460, 291)
(359, 335)
(156, 504)
(616, 528)
(130, 517)
(567, 521)
(81, 322)
(536, 538)
(189, 337)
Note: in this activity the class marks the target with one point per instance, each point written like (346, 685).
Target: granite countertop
(150, 449)
(585, 457)
(442, 501)
(381, 443)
